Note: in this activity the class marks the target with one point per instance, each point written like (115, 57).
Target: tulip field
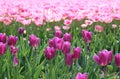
(59, 39)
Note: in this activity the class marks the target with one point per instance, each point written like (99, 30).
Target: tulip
(76, 52)
(49, 52)
(67, 22)
(58, 34)
(87, 36)
(12, 40)
(51, 43)
(103, 58)
(21, 30)
(13, 50)
(58, 43)
(2, 37)
(15, 61)
(117, 60)
(66, 47)
(67, 37)
(68, 59)
(34, 41)
(98, 28)
(81, 76)
(2, 48)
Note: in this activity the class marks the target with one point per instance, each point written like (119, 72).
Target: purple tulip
(58, 43)
(12, 40)
(51, 42)
(81, 76)
(76, 52)
(2, 37)
(103, 58)
(67, 37)
(2, 48)
(58, 34)
(15, 61)
(87, 36)
(68, 59)
(13, 50)
(117, 60)
(34, 41)
(21, 30)
(49, 52)
(66, 47)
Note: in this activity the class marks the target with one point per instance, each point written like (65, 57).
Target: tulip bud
(21, 30)
(103, 58)
(2, 37)
(13, 50)
(2, 48)
(34, 41)
(15, 61)
(68, 59)
(12, 40)
(81, 76)
(87, 36)
(49, 52)
(76, 52)
(67, 37)
(66, 47)
(117, 60)
(58, 34)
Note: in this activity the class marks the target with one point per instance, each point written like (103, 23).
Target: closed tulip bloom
(34, 41)
(2, 48)
(103, 58)
(49, 52)
(66, 47)
(67, 37)
(21, 30)
(58, 43)
(76, 52)
(13, 50)
(51, 42)
(58, 34)
(15, 61)
(2, 37)
(81, 76)
(87, 36)
(99, 28)
(68, 59)
(117, 60)
(12, 40)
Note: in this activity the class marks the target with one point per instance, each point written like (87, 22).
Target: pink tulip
(12, 40)
(87, 36)
(2, 37)
(58, 34)
(57, 28)
(76, 52)
(34, 41)
(49, 52)
(117, 60)
(13, 50)
(98, 28)
(68, 59)
(66, 27)
(66, 47)
(103, 58)
(21, 30)
(15, 61)
(58, 43)
(81, 76)
(67, 37)
(67, 22)
(2, 48)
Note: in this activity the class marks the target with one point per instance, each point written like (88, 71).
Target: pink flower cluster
(37, 11)
(63, 44)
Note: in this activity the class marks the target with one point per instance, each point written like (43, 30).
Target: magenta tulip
(67, 37)
(103, 58)
(13, 50)
(81, 76)
(12, 40)
(2, 48)
(58, 43)
(117, 60)
(49, 52)
(2, 37)
(66, 47)
(58, 34)
(87, 36)
(34, 41)
(51, 42)
(76, 52)
(21, 30)
(68, 59)
(15, 61)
